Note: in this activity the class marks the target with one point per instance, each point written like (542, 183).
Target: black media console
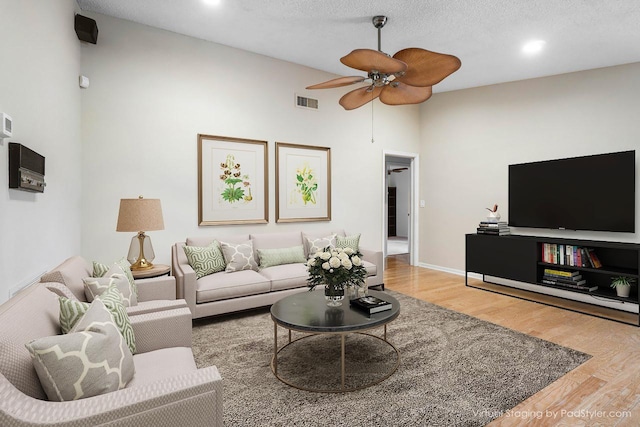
(519, 259)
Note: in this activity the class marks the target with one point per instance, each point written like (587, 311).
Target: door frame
(413, 203)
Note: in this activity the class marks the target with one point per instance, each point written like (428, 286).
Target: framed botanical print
(303, 183)
(232, 181)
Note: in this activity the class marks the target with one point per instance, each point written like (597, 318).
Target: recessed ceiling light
(533, 46)
(212, 2)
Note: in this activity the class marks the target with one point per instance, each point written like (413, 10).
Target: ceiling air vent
(303, 102)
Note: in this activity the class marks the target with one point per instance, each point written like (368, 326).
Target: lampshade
(140, 215)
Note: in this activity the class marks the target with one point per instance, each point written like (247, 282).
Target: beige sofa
(224, 292)
(167, 388)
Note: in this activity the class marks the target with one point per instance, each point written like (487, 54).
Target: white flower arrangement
(336, 268)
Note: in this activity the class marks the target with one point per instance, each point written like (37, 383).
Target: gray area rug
(454, 370)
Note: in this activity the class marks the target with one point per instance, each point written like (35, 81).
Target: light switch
(422, 203)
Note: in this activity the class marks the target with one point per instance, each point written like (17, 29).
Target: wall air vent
(304, 102)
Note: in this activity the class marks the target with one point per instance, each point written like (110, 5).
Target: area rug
(455, 370)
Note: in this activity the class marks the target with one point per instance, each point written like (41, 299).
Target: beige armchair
(154, 294)
(167, 388)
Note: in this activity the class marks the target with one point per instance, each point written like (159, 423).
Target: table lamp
(140, 215)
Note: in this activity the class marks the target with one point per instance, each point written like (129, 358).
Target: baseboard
(450, 270)
(25, 284)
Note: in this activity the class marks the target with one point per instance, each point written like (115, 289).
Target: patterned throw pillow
(239, 256)
(352, 242)
(205, 260)
(271, 257)
(72, 311)
(60, 289)
(315, 244)
(95, 286)
(91, 360)
(99, 270)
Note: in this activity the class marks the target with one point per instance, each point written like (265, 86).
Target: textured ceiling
(487, 35)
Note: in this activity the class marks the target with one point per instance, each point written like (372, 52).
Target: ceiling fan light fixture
(404, 78)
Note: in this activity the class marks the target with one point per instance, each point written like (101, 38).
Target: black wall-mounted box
(86, 29)
(26, 169)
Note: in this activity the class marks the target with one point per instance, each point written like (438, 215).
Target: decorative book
(371, 304)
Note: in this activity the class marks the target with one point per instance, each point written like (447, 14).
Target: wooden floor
(605, 391)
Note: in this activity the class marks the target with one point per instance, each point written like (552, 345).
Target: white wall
(153, 91)
(469, 137)
(39, 90)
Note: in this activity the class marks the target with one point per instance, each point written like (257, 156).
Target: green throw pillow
(100, 269)
(352, 242)
(72, 311)
(205, 260)
(271, 257)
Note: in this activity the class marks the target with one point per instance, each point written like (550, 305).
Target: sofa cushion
(221, 286)
(72, 311)
(239, 256)
(287, 276)
(205, 260)
(31, 314)
(70, 273)
(158, 365)
(352, 242)
(276, 240)
(95, 286)
(281, 256)
(372, 269)
(314, 244)
(207, 240)
(91, 360)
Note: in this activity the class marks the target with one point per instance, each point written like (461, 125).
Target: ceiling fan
(396, 170)
(405, 78)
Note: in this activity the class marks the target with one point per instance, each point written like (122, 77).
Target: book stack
(499, 228)
(574, 256)
(370, 304)
(567, 279)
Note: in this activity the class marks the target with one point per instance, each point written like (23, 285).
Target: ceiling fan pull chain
(372, 118)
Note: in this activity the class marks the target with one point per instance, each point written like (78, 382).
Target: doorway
(399, 207)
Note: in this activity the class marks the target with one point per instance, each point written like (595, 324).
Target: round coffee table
(308, 312)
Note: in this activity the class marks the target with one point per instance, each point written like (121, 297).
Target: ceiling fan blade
(359, 97)
(401, 94)
(340, 81)
(426, 68)
(368, 60)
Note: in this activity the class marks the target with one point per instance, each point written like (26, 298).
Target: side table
(155, 271)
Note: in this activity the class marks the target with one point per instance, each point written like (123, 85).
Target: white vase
(493, 217)
(333, 296)
(623, 291)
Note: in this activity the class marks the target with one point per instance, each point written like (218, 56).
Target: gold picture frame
(303, 183)
(233, 186)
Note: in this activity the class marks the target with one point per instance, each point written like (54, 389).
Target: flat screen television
(580, 193)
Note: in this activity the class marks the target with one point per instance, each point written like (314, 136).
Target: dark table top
(308, 311)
